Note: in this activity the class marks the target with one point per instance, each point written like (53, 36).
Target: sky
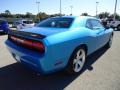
(52, 6)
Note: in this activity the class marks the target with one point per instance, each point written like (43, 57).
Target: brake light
(13, 38)
(39, 46)
(31, 44)
(27, 43)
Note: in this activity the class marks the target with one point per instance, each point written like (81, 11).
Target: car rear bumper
(43, 63)
(30, 59)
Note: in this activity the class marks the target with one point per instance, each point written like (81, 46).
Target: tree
(104, 15)
(7, 12)
(84, 14)
(42, 15)
(28, 15)
(117, 17)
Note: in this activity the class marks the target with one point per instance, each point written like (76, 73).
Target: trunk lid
(44, 31)
(35, 33)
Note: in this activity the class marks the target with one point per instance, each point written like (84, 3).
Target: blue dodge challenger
(59, 43)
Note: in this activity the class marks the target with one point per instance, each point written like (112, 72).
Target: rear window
(28, 22)
(60, 22)
(17, 23)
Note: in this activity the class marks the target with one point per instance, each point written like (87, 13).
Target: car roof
(75, 17)
(24, 20)
(81, 19)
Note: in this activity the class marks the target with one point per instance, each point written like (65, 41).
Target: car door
(107, 32)
(99, 32)
(93, 39)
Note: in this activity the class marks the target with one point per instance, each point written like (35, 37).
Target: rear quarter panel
(60, 46)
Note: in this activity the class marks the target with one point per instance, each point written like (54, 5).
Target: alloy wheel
(79, 60)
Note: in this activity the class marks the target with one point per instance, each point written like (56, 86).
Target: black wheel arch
(84, 46)
(118, 26)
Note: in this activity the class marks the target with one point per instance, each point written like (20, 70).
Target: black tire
(109, 44)
(70, 69)
(118, 27)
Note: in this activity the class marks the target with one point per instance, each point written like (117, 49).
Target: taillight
(13, 38)
(31, 44)
(28, 43)
(38, 46)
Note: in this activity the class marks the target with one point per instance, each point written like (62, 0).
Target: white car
(22, 24)
(115, 24)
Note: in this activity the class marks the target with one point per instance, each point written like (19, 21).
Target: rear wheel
(76, 61)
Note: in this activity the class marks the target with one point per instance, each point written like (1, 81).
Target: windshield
(59, 22)
(28, 22)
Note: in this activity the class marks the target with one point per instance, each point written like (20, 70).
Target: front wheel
(118, 27)
(76, 61)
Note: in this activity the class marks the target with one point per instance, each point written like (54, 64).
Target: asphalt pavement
(101, 72)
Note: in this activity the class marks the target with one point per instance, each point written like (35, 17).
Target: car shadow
(15, 76)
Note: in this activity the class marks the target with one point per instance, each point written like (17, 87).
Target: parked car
(59, 43)
(114, 24)
(4, 26)
(15, 24)
(22, 24)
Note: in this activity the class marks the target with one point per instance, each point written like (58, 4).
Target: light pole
(71, 7)
(60, 8)
(115, 10)
(38, 3)
(97, 8)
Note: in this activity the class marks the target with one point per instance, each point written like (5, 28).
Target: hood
(44, 31)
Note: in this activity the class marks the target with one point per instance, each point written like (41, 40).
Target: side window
(89, 24)
(96, 24)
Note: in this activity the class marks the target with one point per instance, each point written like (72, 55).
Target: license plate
(17, 58)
